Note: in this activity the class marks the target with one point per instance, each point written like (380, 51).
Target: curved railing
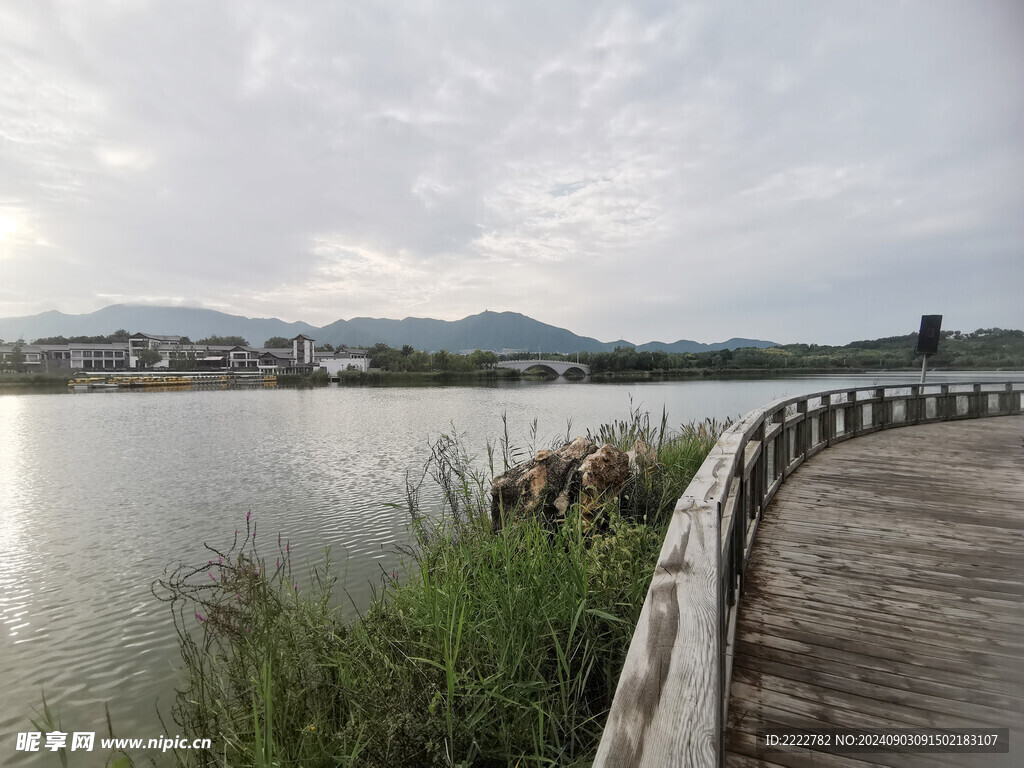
(672, 697)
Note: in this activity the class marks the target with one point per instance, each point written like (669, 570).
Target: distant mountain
(685, 345)
(179, 321)
(487, 330)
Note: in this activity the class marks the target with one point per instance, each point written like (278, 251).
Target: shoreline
(29, 382)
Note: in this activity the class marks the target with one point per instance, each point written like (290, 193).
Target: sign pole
(928, 340)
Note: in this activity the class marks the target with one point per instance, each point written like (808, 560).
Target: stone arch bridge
(558, 367)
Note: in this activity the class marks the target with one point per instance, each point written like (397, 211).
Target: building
(54, 358)
(344, 359)
(163, 344)
(176, 353)
(27, 357)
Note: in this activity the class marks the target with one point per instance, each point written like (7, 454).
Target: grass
(487, 650)
(377, 376)
(49, 380)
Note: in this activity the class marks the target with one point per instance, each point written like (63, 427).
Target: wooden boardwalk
(886, 590)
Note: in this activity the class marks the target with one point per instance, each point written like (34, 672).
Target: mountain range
(487, 330)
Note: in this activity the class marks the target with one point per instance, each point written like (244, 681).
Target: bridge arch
(557, 367)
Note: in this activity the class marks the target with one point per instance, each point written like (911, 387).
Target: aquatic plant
(487, 649)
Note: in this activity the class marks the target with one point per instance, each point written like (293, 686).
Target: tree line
(407, 359)
(983, 348)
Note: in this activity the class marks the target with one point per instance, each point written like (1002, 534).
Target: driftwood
(549, 483)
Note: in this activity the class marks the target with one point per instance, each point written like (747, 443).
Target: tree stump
(548, 484)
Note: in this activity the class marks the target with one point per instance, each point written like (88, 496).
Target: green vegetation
(15, 362)
(277, 342)
(409, 360)
(147, 357)
(18, 380)
(488, 649)
(229, 341)
(120, 335)
(376, 376)
(317, 378)
(182, 359)
(987, 348)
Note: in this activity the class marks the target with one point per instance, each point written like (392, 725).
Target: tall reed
(486, 650)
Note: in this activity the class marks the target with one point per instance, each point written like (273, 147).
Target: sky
(793, 171)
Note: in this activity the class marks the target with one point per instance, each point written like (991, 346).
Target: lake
(100, 492)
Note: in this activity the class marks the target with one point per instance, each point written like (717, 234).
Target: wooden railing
(672, 697)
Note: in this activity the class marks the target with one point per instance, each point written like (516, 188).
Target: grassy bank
(427, 377)
(486, 650)
(720, 373)
(18, 380)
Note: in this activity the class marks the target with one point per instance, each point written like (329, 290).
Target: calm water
(99, 492)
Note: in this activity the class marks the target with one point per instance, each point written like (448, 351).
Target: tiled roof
(156, 337)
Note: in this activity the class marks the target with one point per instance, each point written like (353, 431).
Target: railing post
(977, 403)
(825, 428)
(803, 431)
(943, 411)
(779, 441)
(740, 536)
(851, 419)
(761, 470)
(882, 418)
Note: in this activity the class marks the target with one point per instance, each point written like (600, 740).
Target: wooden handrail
(673, 694)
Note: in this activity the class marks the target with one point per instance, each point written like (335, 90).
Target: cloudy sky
(807, 171)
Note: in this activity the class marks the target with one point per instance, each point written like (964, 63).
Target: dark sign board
(928, 338)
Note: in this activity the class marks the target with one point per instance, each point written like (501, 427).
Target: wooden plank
(969, 565)
(837, 681)
(903, 602)
(969, 688)
(938, 566)
(899, 645)
(782, 692)
(869, 572)
(866, 592)
(794, 465)
(816, 448)
(876, 629)
(848, 598)
(667, 709)
(974, 519)
(935, 560)
(745, 726)
(750, 456)
(975, 532)
(884, 533)
(922, 508)
(728, 522)
(955, 670)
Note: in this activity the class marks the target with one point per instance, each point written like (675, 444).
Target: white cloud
(125, 158)
(332, 159)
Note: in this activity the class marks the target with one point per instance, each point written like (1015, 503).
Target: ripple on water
(99, 495)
